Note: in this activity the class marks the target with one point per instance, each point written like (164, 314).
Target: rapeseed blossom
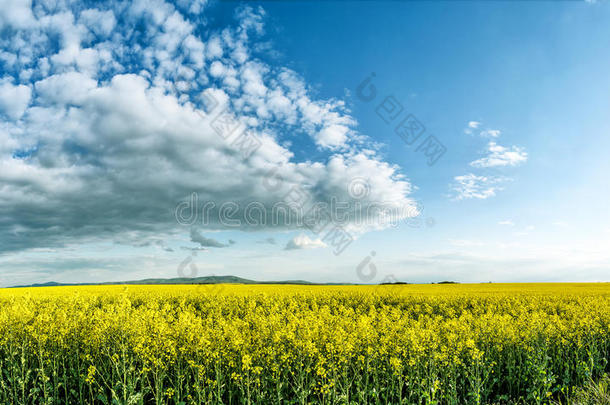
(301, 344)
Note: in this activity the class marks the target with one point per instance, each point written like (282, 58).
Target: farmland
(276, 344)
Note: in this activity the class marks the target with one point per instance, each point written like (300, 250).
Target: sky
(326, 141)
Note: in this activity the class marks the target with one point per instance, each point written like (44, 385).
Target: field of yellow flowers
(265, 344)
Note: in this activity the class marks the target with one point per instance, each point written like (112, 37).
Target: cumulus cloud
(106, 132)
(332, 136)
(499, 155)
(16, 13)
(14, 99)
(472, 186)
(99, 22)
(304, 242)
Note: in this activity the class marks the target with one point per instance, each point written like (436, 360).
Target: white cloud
(137, 124)
(490, 133)
(332, 136)
(507, 222)
(214, 47)
(471, 126)
(472, 186)
(14, 99)
(501, 156)
(217, 69)
(16, 13)
(304, 242)
(99, 22)
(65, 88)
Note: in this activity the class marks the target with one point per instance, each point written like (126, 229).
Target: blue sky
(107, 128)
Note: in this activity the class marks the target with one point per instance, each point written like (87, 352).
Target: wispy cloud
(507, 222)
(472, 186)
(499, 156)
(472, 125)
(490, 133)
(304, 242)
(485, 186)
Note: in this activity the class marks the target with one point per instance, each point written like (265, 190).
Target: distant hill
(178, 280)
(203, 280)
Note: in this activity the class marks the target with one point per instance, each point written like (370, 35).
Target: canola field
(266, 344)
